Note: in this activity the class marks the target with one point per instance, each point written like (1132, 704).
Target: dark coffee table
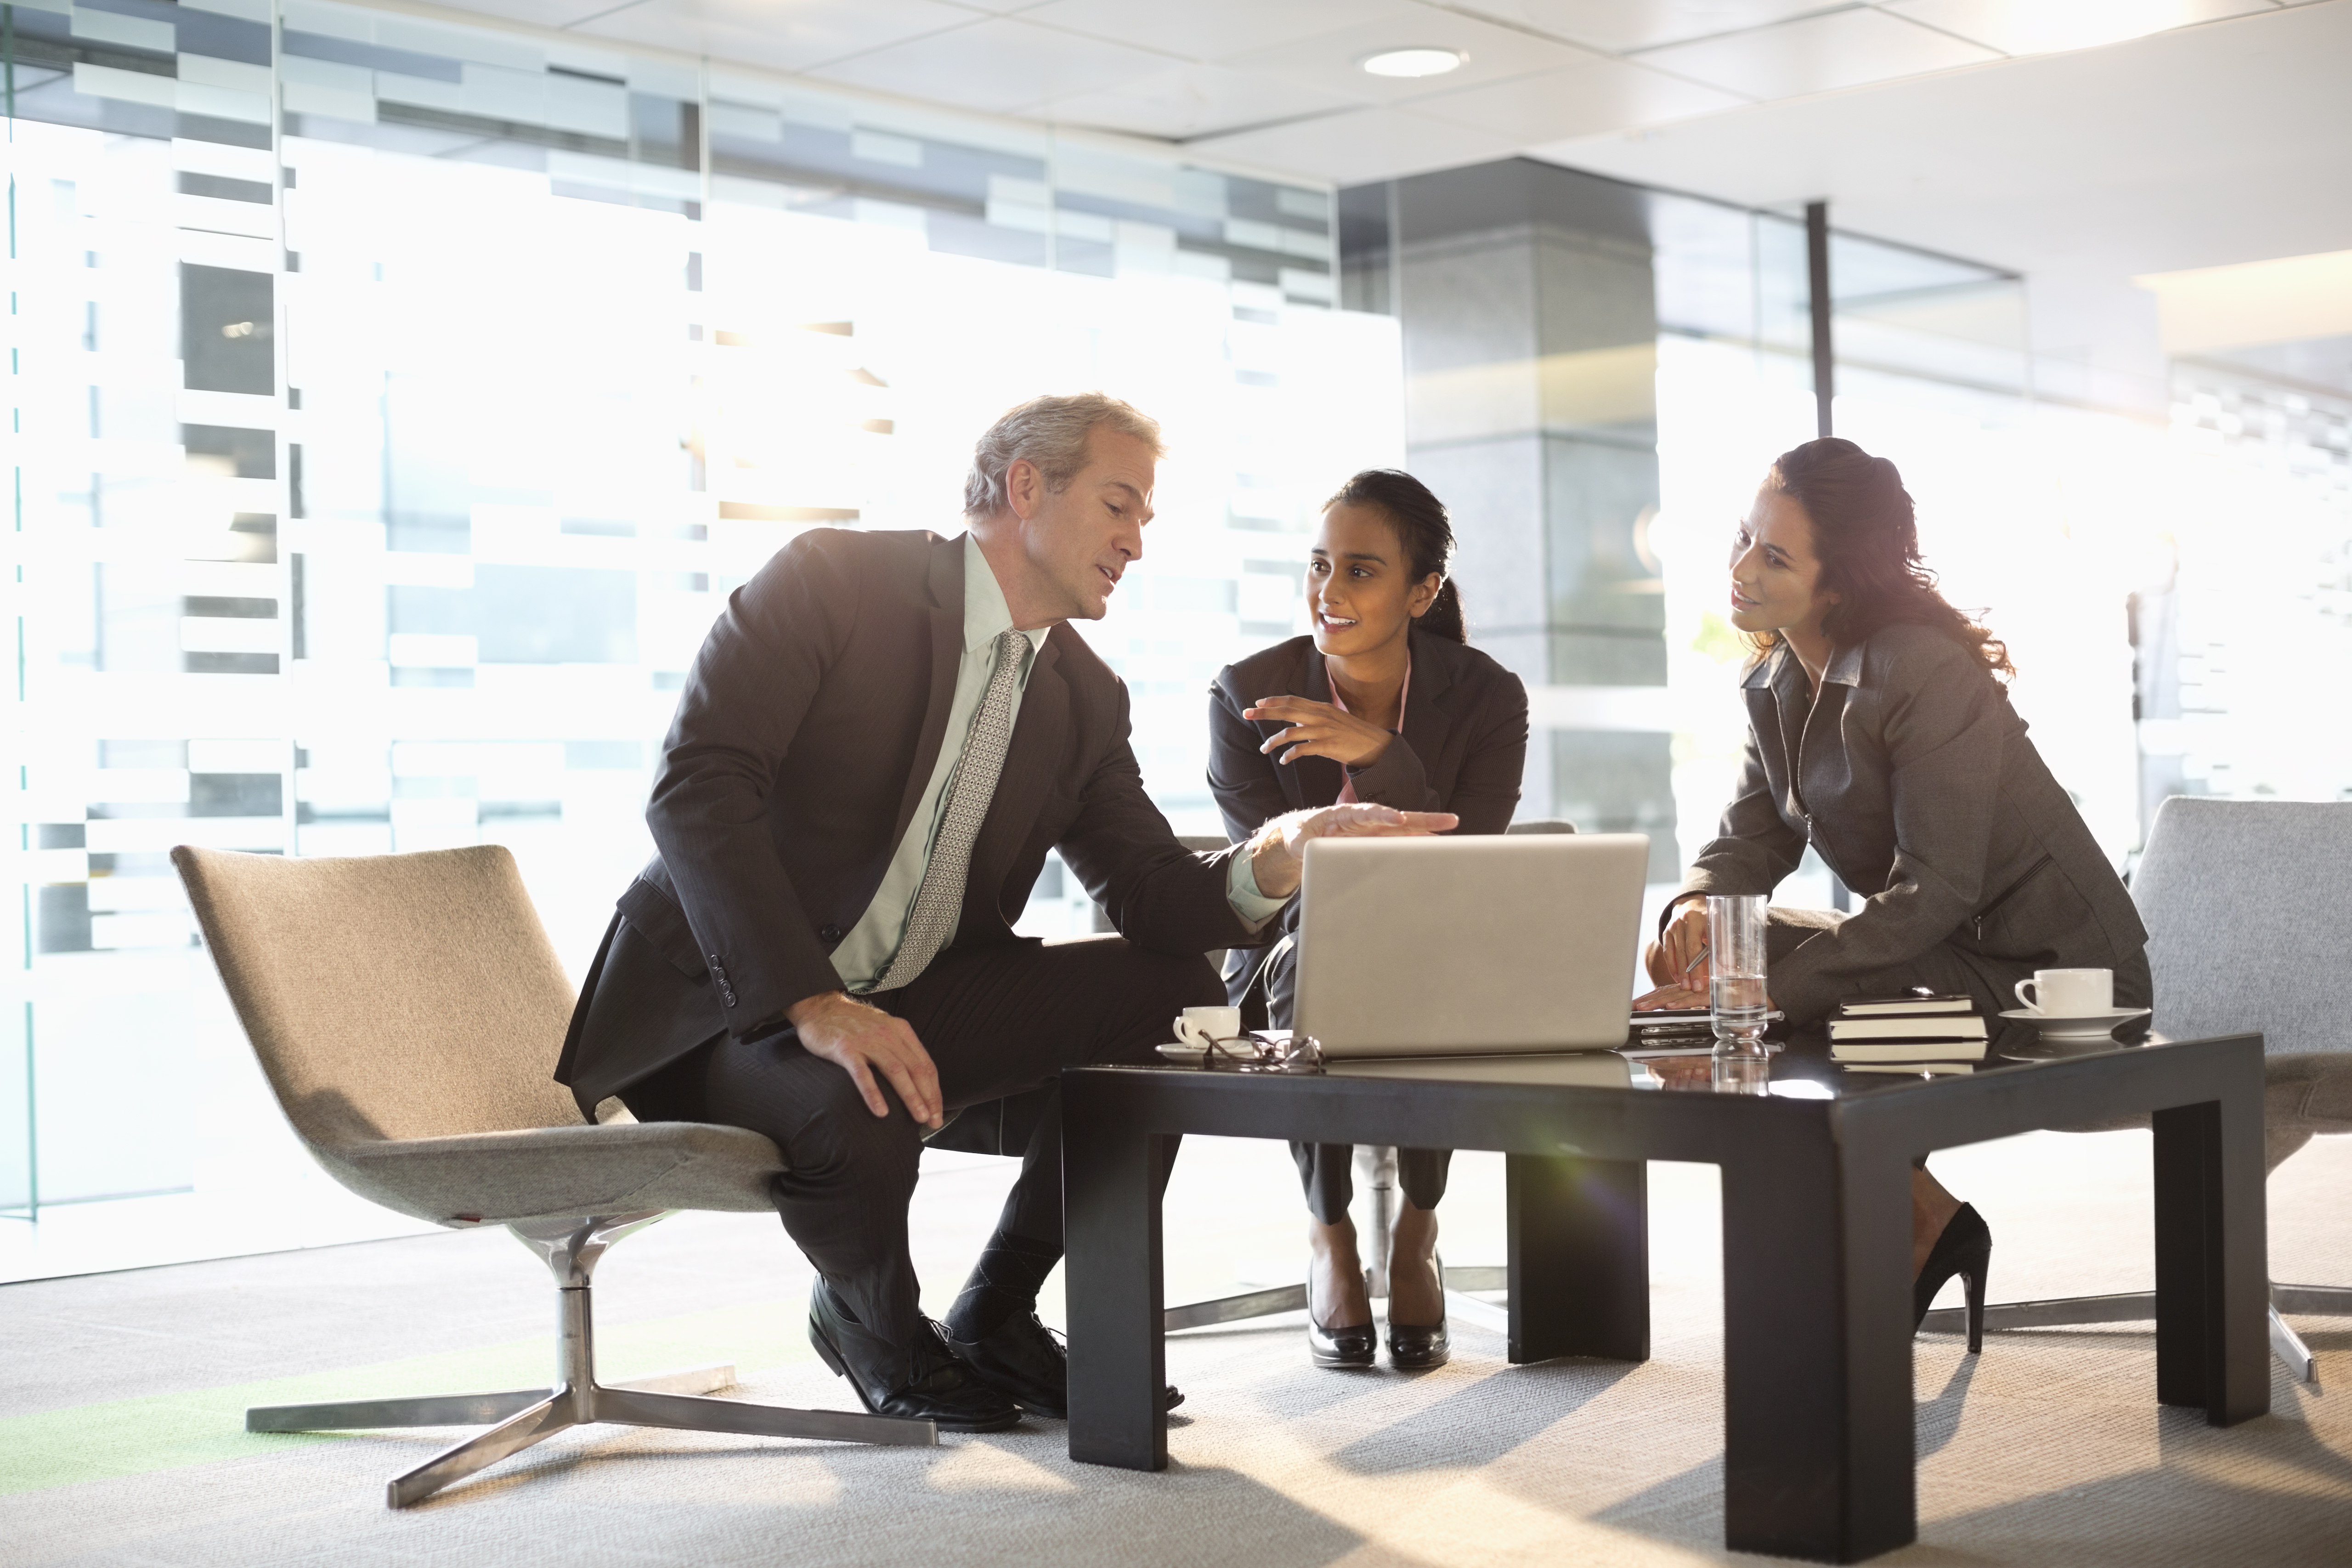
(1818, 1442)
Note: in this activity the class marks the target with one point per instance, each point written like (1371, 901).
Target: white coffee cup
(1206, 1026)
(2069, 992)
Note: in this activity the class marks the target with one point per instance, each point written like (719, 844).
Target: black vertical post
(1580, 1257)
(1817, 294)
(1817, 269)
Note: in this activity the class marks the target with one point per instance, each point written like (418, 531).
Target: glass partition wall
(392, 403)
(395, 402)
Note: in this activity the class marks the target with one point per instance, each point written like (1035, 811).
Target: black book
(1904, 1006)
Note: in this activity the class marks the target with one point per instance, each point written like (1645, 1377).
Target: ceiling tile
(1001, 65)
(790, 37)
(2193, 148)
(1844, 49)
(1189, 100)
(1617, 24)
(1363, 144)
(1215, 29)
(1331, 61)
(1580, 100)
(557, 14)
(2045, 27)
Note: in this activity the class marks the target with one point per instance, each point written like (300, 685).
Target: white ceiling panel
(1002, 66)
(555, 13)
(1216, 29)
(1576, 101)
(1332, 61)
(1188, 100)
(790, 37)
(1620, 24)
(2044, 27)
(1820, 53)
(1363, 144)
(2199, 148)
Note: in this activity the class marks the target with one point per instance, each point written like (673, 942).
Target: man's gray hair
(1050, 431)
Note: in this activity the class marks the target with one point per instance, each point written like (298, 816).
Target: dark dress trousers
(1461, 749)
(808, 727)
(1912, 776)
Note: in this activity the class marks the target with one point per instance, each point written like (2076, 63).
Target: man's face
(1079, 540)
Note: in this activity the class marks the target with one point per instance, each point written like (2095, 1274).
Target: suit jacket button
(828, 933)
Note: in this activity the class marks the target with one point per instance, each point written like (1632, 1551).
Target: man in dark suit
(881, 739)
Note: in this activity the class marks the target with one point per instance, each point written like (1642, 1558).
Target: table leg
(1818, 1442)
(2212, 1288)
(1111, 1181)
(1580, 1257)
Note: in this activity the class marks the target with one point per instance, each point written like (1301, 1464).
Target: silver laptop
(1417, 954)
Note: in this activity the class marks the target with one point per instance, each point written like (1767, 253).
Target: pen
(1705, 949)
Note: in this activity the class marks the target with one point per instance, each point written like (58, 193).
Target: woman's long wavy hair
(1866, 537)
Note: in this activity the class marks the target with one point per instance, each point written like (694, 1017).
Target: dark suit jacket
(1464, 742)
(807, 729)
(1911, 774)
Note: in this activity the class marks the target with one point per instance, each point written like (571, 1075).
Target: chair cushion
(2238, 897)
(539, 1173)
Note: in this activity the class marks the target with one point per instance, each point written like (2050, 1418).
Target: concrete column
(1529, 322)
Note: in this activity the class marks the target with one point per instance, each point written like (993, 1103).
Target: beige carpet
(2049, 1450)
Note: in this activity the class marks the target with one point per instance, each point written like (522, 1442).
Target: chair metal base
(521, 1417)
(2139, 1306)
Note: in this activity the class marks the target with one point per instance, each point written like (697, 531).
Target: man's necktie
(938, 903)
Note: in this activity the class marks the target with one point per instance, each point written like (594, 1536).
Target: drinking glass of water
(1736, 966)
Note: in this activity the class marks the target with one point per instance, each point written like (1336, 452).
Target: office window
(380, 469)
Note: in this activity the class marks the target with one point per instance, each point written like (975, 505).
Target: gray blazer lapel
(1426, 722)
(945, 584)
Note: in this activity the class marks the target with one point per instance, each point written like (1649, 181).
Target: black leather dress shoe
(924, 1381)
(1352, 1346)
(1024, 1358)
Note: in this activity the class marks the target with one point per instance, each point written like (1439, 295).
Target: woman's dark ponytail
(1444, 617)
(1424, 531)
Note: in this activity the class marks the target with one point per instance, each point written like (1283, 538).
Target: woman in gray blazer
(1880, 732)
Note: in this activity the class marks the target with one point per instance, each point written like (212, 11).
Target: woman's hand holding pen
(1678, 962)
(1315, 729)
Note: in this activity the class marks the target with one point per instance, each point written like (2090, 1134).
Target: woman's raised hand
(1319, 730)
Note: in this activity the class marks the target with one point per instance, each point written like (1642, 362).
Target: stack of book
(1907, 1034)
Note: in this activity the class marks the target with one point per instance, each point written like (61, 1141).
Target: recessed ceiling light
(1414, 62)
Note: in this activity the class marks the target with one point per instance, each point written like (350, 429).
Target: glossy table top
(1799, 1065)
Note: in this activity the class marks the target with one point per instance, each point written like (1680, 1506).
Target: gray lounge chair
(2243, 901)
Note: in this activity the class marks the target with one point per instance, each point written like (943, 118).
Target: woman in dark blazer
(1880, 732)
(1385, 703)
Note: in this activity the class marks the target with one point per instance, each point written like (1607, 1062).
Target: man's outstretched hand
(1276, 850)
(862, 1040)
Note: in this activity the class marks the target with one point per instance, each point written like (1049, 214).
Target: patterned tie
(938, 903)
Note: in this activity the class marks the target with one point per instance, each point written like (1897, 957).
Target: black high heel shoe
(1416, 1348)
(1351, 1346)
(1965, 1248)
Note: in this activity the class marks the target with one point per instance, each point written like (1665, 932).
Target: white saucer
(2087, 1026)
(1184, 1055)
